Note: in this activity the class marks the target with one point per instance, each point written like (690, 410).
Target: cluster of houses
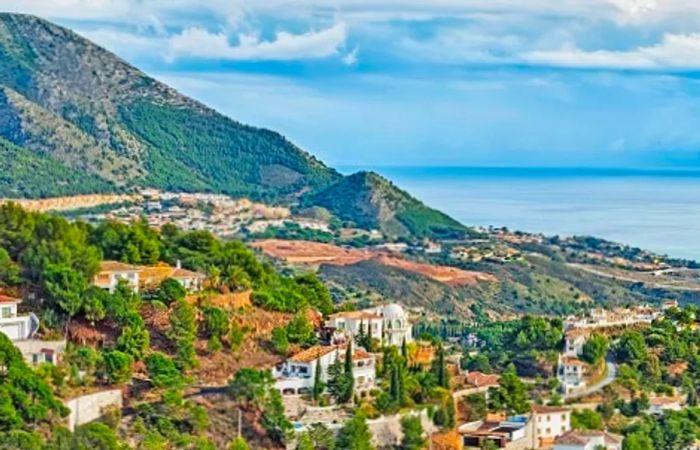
(388, 324)
(618, 317)
(22, 328)
(545, 427)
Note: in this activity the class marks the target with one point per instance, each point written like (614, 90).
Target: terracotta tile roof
(582, 437)
(482, 379)
(577, 333)
(664, 401)
(542, 409)
(571, 361)
(360, 355)
(116, 266)
(313, 353)
(8, 299)
(356, 315)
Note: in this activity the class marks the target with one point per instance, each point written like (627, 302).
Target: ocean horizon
(654, 209)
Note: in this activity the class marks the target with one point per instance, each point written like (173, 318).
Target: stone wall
(90, 407)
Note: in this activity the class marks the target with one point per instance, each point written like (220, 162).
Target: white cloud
(200, 43)
(350, 59)
(675, 51)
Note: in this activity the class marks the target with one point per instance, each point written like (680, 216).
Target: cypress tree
(318, 383)
(350, 380)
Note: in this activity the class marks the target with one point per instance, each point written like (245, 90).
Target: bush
(117, 366)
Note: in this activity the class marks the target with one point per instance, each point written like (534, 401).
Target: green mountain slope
(373, 202)
(24, 174)
(67, 99)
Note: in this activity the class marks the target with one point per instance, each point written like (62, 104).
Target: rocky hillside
(68, 101)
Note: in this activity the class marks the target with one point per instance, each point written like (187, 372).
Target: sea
(658, 210)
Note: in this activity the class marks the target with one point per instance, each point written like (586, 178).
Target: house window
(549, 431)
(6, 312)
(563, 417)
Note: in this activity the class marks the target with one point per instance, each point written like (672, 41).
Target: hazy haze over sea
(653, 209)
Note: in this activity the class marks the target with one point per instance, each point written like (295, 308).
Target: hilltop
(75, 104)
(371, 201)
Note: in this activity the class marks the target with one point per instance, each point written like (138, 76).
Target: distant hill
(68, 100)
(371, 201)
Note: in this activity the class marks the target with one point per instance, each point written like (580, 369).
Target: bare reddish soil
(315, 253)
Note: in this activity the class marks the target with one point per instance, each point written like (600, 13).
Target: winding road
(610, 374)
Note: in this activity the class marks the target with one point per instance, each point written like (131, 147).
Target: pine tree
(355, 434)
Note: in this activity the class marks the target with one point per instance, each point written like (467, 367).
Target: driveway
(611, 373)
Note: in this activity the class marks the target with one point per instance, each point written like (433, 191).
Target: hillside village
(272, 360)
(171, 278)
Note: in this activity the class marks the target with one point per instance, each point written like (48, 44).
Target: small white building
(389, 324)
(296, 375)
(659, 405)
(574, 341)
(13, 325)
(112, 272)
(571, 374)
(37, 352)
(549, 422)
(588, 440)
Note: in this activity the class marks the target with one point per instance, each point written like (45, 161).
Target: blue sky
(427, 82)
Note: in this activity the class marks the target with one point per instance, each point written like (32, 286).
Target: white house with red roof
(549, 422)
(588, 440)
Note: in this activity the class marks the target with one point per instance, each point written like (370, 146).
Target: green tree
(300, 331)
(595, 349)
(134, 340)
(94, 300)
(163, 371)
(279, 340)
(216, 322)
(355, 434)
(638, 441)
(319, 385)
(632, 349)
(238, 444)
(586, 419)
(117, 366)
(305, 442)
(64, 288)
(170, 290)
(440, 369)
(9, 271)
(183, 332)
(413, 435)
(236, 336)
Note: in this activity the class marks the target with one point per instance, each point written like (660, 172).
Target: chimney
(178, 265)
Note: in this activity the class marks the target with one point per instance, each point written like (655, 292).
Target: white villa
(549, 422)
(571, 374)
(14, 326)
(388, 323)
(141, 278)
(21, 328)
(112, 272)
(296, 375)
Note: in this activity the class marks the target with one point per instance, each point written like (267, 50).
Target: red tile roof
(8, 299)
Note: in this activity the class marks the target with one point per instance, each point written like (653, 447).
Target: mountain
(371, 201)
(82, 114)
(67, 100)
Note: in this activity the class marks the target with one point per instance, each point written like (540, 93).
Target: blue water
(654, 209)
